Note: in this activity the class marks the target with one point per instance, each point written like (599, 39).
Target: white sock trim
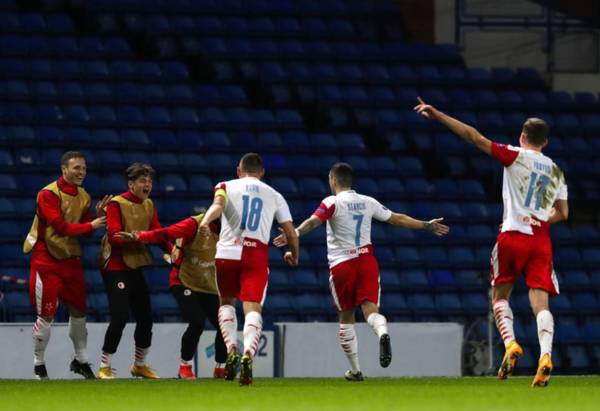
(228, 325)
(252, 332)
(545, 328)
(378, 323)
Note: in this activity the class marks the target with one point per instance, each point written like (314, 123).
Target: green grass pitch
(480, 394)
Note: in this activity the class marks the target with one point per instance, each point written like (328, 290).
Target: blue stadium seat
(201, 184)
(390, 281)
(394, 304)
(285, 185)
(475, 304)
(461, 257)
(166, 161)
(419, 188)
(448, 304)
(584, 302)
(171, 183)
(446, 188)
(471, 189)
(412, 279)
(157, 116)
(421, 304)
(304, 280)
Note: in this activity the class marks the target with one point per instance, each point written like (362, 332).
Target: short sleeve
(504, 154)
(380, 212)
(221, 190)
(563, 192)
(282, 213)
(326, 209)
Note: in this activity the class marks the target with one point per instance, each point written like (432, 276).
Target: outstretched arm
(434, 226)
(307, 226)
(464, 131)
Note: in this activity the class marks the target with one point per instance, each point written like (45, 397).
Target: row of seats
(247, 26)
(258, 7)
(386, 94)
(64, 46)
(388, 188)
(35, 22)
(467, 305)
(466, 255)
(93, 69)
(404, 118)
(24, 141)
(405, 73)
(242, 48)
(151, 116)
(124, 92)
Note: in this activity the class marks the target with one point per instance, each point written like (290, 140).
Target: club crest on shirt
(121, 285)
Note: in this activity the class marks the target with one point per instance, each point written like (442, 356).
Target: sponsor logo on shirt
(531, 221)
(359, 251)
(248, 243)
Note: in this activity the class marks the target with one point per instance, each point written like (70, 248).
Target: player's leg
(507, 262)
(254, 277)
(342, 285)
(210, 305)
(74, 297)
(118, 286)
(139, 300)
(349, 344)
(228, 287)
(44, 287)
(368, 291)
(542, 283)
(193, 313)
(545, 327)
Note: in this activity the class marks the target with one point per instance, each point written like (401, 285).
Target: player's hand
(134, 236)
(426, 110)
(289, 258)
(434, 226)
(101, 205)
(281, 240)
(99, 222)
(204, 229)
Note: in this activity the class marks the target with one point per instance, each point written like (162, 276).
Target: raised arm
(434, 226)
(464, 131)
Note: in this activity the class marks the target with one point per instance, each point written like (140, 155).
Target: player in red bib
(354, 279)
(534, 193)
(62, 215)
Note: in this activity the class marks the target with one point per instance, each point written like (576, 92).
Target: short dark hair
(64, 160)
(251, 163)
(536, 131)
(137, 170)
(343, 173)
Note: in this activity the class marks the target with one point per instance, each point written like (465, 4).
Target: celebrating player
(247, 207)
(122, 264)
(535, 195)
(193, 284)
(354, 279)
(56, 272)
